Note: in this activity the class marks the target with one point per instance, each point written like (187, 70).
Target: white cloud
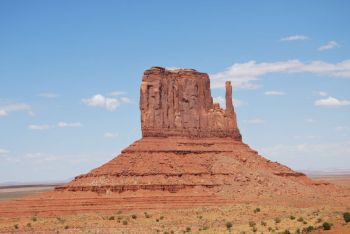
(48, 95)
(295, 38)
(39, 127)
(110, 104)
(110, 135)
(328, 46)
(222, 101)
(69, 125)
(7, 109)
(244, 75)
(255, 121)
(100, 101)
(274, 93)
(3, 152)
(331, 101)
(322, 94)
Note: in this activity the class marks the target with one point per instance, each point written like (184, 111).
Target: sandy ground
(245, 218)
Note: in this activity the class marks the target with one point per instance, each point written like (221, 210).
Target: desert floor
(244, 218)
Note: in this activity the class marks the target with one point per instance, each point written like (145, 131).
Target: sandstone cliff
(179, 103)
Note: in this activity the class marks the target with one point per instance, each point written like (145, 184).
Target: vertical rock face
(179, 103)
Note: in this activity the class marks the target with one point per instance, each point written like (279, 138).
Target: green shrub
(346, 217)
(125, 222)
(228, 225)
(326, 226)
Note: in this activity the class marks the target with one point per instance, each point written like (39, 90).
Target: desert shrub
(277, 220)
(157, 220)
(205, 228)
(263, 223)
(308, 229)
(125, 222)
(119, 212)
(134, 216)
(270, 229)
(298, 231)
(200, 217)
(346, 217)
(60, 220)
(66, 227)
(165, 232)
(172, 232)
(16, 226)
(257, 210)
(188, 229)
(292, 217)
(326, 226)
(161, 217)
(319, 220)
(304, 222)
(300, 219)
(29, 225)
(286, 232)
(34, 219)
(111, 218)
(147, 215)
(255, 229)
(228, 225)
(252, 223)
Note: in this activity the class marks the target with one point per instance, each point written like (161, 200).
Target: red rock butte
(191, 153)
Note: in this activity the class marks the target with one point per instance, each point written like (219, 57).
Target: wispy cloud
(328, 46)
(110, 135)
(341, 128)
(255, 121)
(331, 102)
(39, 127)
(295, 38)
(69, 125)
(245, 75)
(310, 120)
(322, 93)
(14, 107)
(109, 104)
(48, 95)
(117, 93)
(3, 152)
(274, 93)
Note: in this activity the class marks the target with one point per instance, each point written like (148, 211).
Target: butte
(191, 154)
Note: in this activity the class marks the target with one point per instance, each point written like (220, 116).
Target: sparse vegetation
(147, 215)
(16, 226)
(125, 222)
(29, 225)
(286, 232)
(292, 217)
(66, 227)
(228, 225)
(188, 229)
(257, 210)
(161, 217)
(34, 219)
(277, 220)
(326, 226)
(263, 223)
(111, 218)
(346, 217)
(308, 229)
(134, 216)
(252, 223)
(300, 219)
(255, 229)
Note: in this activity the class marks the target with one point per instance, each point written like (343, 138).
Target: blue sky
(70, 73)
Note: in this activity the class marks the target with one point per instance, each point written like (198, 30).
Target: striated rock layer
(191, 154)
